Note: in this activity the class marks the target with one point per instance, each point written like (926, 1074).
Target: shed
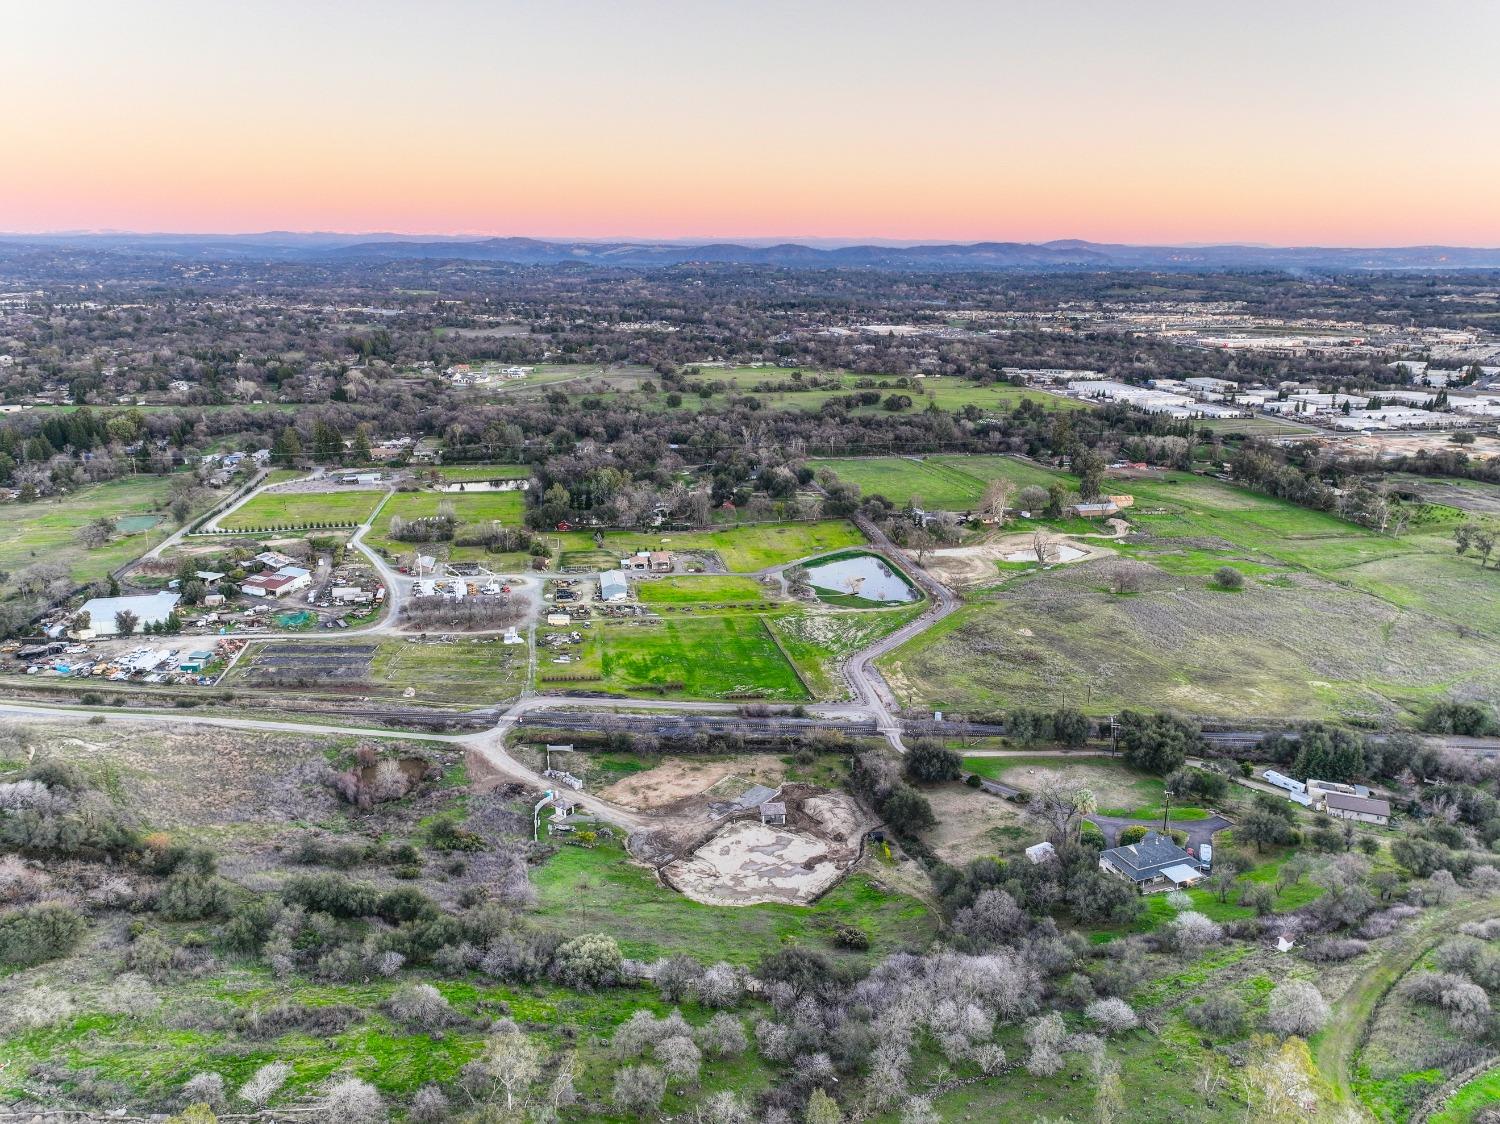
(612, 586)
(773, 812)
(1041, 852)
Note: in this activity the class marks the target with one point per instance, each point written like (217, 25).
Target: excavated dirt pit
(746, 862)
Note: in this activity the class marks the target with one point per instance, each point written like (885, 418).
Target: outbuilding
(1365, 809)
(612, 586)
(150, 609)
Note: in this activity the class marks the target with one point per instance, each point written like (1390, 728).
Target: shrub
(264, 1084)
(205, 1089)
(1133, 834)
(1296, 1007)
(587, 962)
(40, 932)
(1113, 1015)
(1222, 1014)
(928, 762)
(352, 1101)
(421, 1006)
(639, 1088)
(1227, 577)
(188, 896)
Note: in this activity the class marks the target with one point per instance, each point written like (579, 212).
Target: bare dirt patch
(743, 861)
(975, 565)
(972, 824)
(680, 778)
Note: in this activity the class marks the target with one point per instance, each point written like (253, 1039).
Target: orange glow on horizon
(1167, 123)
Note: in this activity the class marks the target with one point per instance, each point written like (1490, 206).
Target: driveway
(1199, 832)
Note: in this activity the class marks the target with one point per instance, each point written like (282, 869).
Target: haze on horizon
(1358, 124)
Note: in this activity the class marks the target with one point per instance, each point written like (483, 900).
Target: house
(612, 586)
(661, 561)
(1095, 510)
(148, 610)
(1153, 864)
(773, 812)
(639, 561)
(1040, 852)
(1365, 809)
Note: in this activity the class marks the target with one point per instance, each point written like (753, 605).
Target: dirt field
(678, 778)
(975, 565)
(1409, 444)
(747, 862)
(972, 824)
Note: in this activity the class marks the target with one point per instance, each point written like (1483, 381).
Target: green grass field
(1335, 621)
(469, 507)
(47, 530)
(458, 472)
(952, 483)
(742, 549)
(705, 657)
(705, 590)
(302, 509)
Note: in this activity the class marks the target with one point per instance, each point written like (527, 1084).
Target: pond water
(862, 575)
(484, 486)
(134, 524)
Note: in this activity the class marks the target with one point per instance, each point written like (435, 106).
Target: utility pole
(1165, 808)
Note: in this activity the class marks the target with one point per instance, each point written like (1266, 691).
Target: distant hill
(1066, 254)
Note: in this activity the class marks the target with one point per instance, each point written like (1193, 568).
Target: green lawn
(700, 657)
(708, 589)
(601, 890)
(951, 483)
(742, 549)
(47, 530)
(303, 509)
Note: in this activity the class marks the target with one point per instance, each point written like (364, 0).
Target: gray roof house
(1155, 863)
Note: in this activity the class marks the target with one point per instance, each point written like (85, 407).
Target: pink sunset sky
(1317, 122)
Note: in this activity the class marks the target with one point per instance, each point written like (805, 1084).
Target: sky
(1319, 122)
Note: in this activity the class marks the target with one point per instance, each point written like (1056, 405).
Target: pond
(134, 524)
(861, 575)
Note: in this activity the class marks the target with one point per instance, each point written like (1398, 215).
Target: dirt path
(1338, 1046)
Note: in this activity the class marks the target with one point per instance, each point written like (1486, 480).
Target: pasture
(707, 657)
(705, 590)
(302, 509)
(47, 529)
(947, 483)
(468, 507)
(743, 550)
